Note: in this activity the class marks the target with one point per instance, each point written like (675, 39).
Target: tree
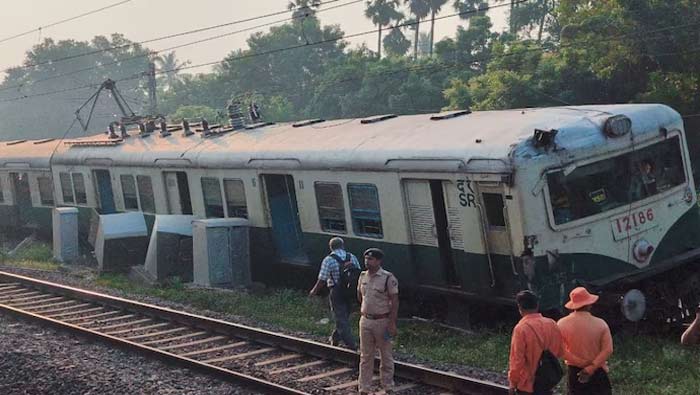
(169, 66)
(395, 43)
(420, 9)
(538, 15)
(194, 112)
(303, 8)
(470, 8)
(435, 7)
(382, 13)
(49, 115)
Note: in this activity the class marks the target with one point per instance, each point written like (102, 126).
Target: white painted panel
(454, 219)
(420, 212)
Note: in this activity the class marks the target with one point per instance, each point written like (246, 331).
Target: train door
(495, 219)
(284, 213)
(105, 195)
(21, 195)
(435, 224)
(178, 191)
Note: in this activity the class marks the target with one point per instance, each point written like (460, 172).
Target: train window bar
(43, 141)
(307, 122)
(448, 115)
(378, 118)
(16, 142)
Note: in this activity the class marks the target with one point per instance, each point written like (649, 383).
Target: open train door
(436, 230)
(284, 216)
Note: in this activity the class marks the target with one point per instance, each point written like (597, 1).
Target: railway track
(268, 361)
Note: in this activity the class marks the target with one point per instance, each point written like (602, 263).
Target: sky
(141, 20)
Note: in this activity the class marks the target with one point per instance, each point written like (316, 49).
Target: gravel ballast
(82, 277)
(39, 360)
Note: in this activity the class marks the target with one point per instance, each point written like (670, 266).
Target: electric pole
(153, 103)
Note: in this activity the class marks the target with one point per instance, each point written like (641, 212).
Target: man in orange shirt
(587, 346)
(531, 336)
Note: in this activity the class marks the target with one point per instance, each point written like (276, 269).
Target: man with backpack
(535, 347)
(339, 272)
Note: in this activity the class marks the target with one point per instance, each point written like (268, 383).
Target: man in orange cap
(587, 346)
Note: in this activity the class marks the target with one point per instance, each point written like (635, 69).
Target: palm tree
(303, 8)
(382, 13)
(420, 9)
(435, 6)
(169, 65)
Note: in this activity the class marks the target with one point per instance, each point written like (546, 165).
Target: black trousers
(599, 383)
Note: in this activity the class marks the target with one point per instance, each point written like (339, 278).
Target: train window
(213, 204)
(364, 208)
(615, 182)
(45, 191)
(131, 201)
(145, 188)
(235, 199)
(331, 207)
(79, 188)
(66, 187)
(493, 204)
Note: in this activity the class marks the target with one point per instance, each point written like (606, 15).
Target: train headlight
(642, 250)
(633, 305)
(617, 126)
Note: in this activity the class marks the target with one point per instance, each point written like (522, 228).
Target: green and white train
(468, 206)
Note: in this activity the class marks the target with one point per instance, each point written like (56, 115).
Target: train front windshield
(615, 182)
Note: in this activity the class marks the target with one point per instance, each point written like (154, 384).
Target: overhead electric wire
(174, 35)
(168, 49)
(40, 28)
(410, 68)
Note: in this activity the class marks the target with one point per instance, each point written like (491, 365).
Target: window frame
(220, 195)
(140, 195)
(63, 177)
(342, 201)
(625, 207)
(226, 197)
(42, 199)
(122, 177)
(352, 211)
(494, 227)
(75, 190)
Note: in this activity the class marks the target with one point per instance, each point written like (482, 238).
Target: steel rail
(451, 382)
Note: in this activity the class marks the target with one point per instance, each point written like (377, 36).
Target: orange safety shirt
(587, 341)
(526, 348)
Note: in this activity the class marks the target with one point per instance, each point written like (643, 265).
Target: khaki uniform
(376, 291)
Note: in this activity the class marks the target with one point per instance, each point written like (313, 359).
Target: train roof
(27, 154)
(488, 141)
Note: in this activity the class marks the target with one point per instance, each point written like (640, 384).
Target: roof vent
(93, 143)
(307, 122)
(378, 118)
(449, 114)
(258, 125)
(16, 142)
(43, 141)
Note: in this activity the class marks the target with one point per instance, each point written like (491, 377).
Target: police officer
(378, 293)
(329, 274)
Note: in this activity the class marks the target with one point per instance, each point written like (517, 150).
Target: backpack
(549, 371)
(349, 277)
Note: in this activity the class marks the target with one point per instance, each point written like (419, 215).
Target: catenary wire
(174, 35)
(41, 28)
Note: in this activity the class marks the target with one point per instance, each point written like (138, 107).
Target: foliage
(194, 112)
(557, 52)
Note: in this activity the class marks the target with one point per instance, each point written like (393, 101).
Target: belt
(375, 316)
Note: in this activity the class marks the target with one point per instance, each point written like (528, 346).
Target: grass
(641, 364)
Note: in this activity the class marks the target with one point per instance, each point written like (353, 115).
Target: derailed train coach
(468, 206)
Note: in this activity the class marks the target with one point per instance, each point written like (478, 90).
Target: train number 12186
(632, 223)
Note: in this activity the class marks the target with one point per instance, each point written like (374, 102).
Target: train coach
(467, 206)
